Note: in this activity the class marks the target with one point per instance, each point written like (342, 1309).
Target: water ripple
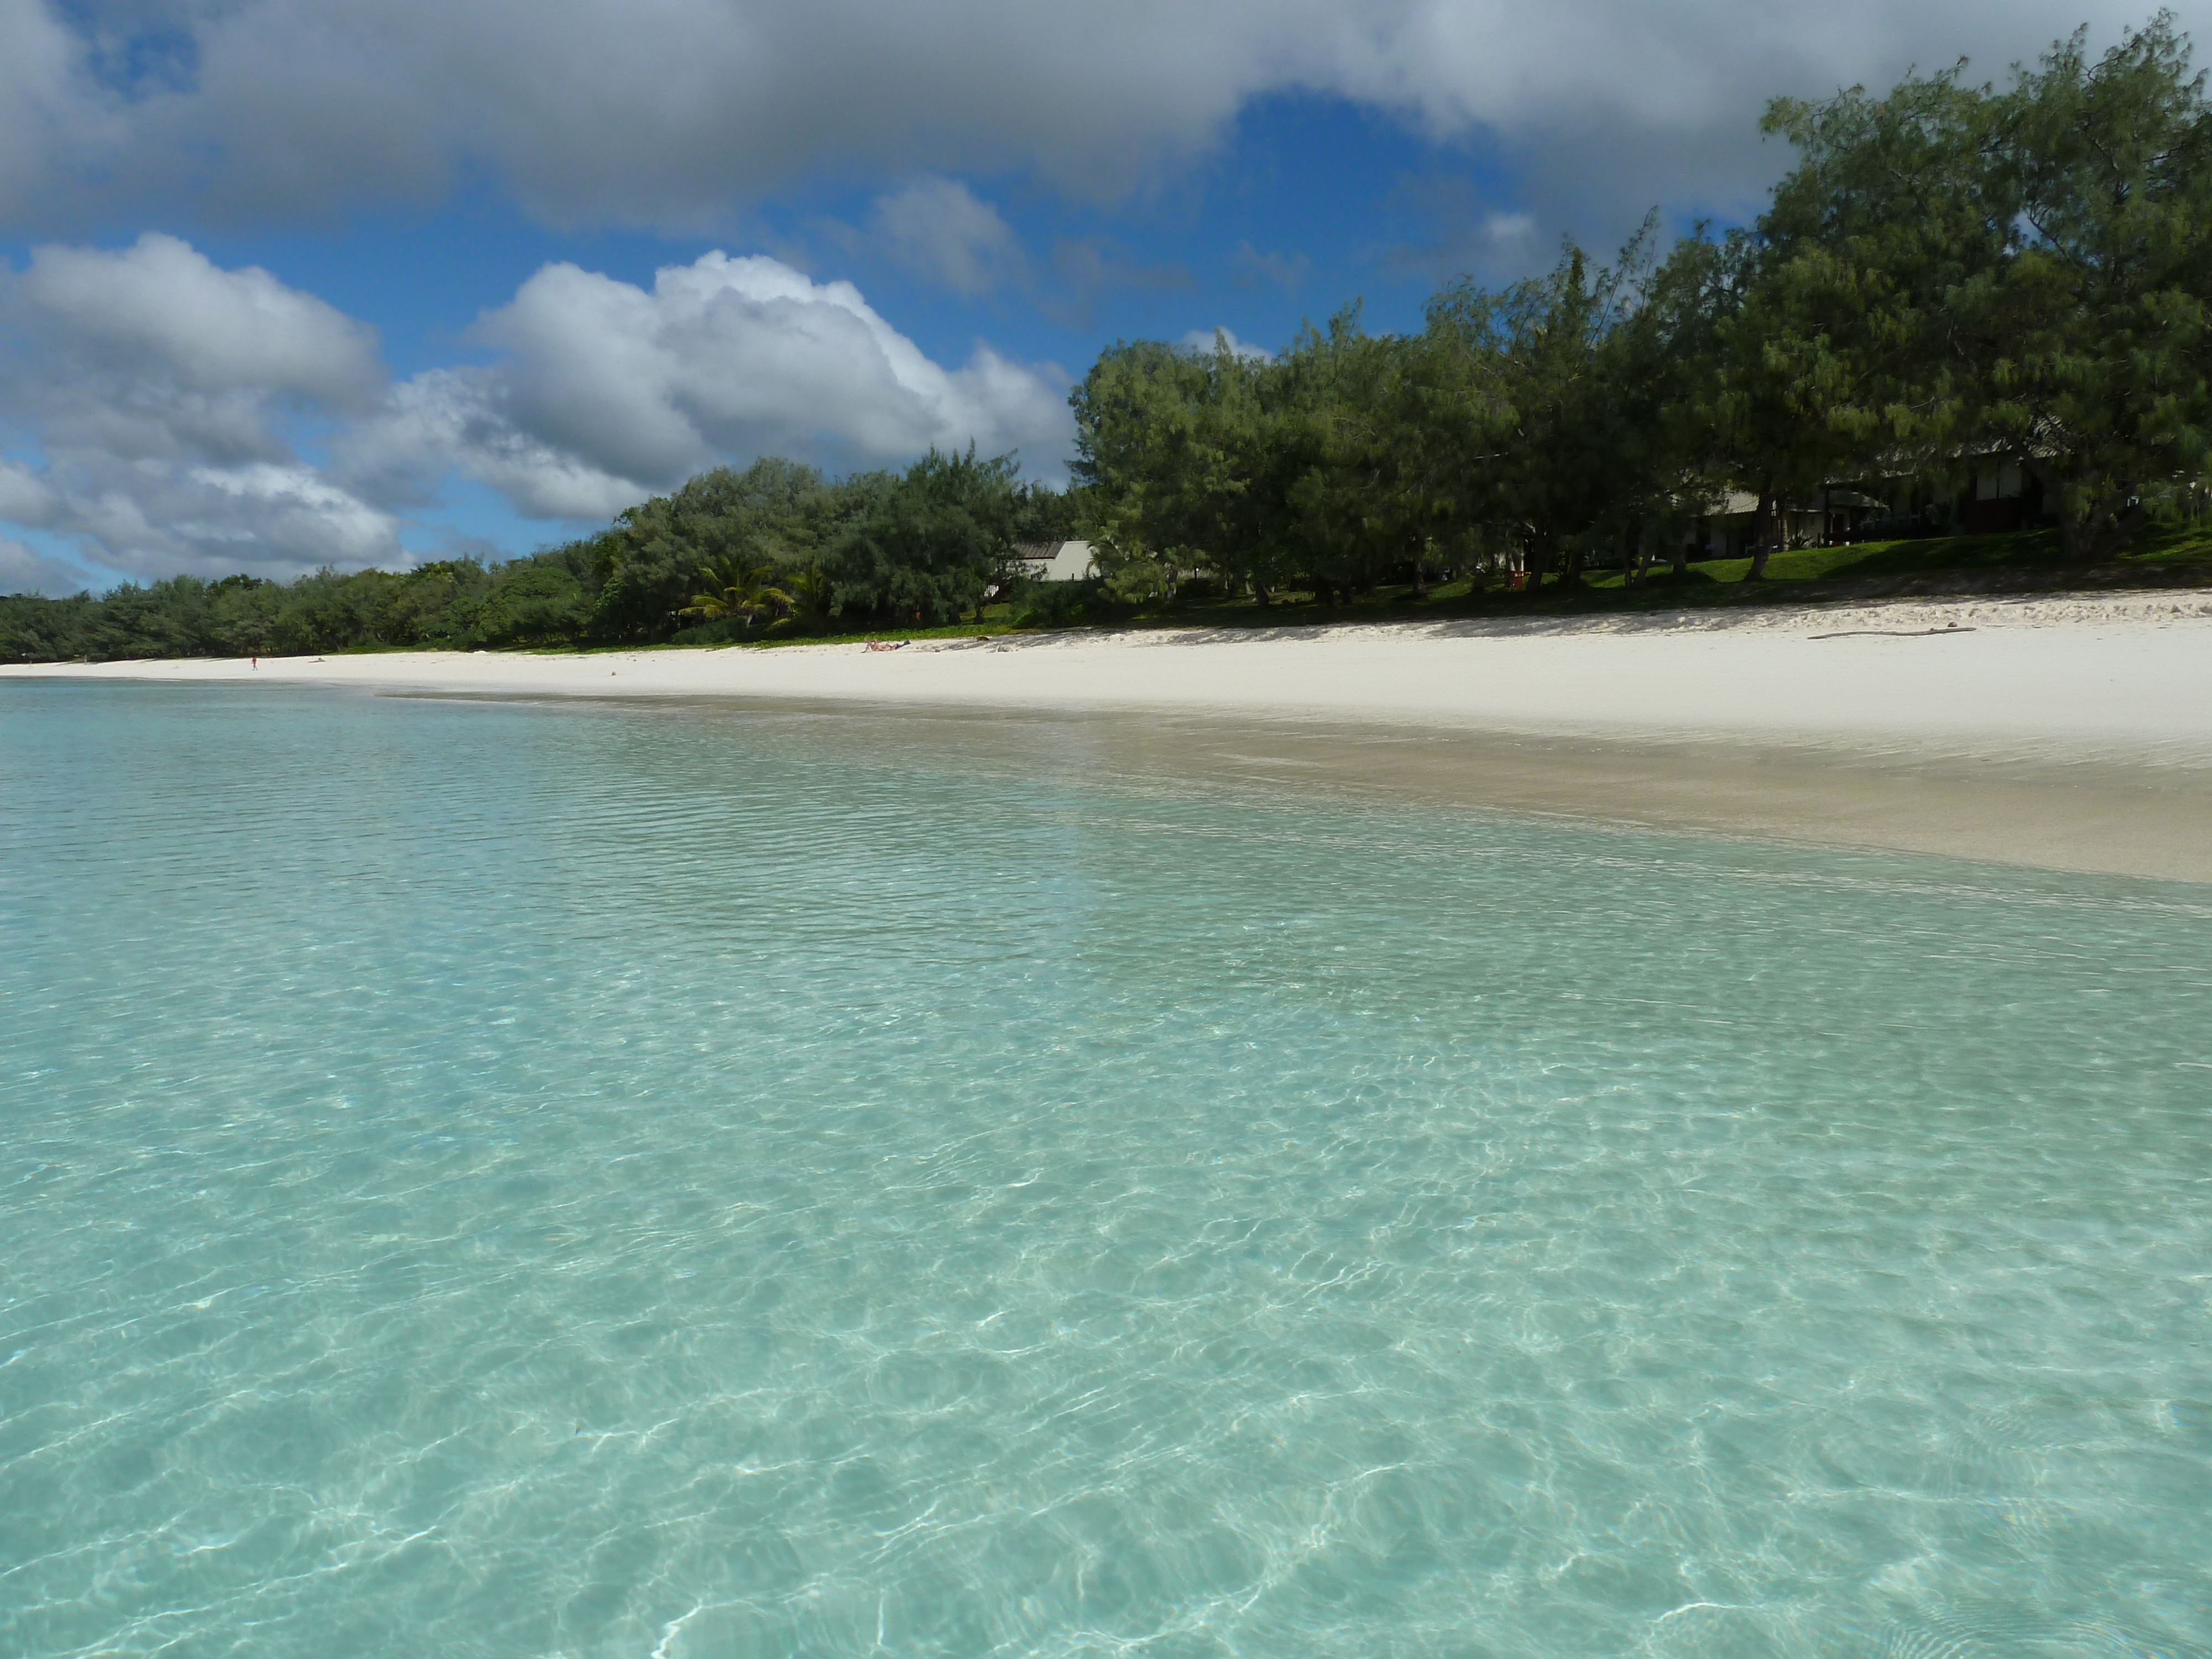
(504, 1180)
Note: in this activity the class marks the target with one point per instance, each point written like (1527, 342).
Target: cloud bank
(603, 111)
(161, 395)
(179, 416)
(602, 391)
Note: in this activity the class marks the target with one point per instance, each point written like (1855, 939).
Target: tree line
(1951, 277)
(728, 553)
(1951, 280)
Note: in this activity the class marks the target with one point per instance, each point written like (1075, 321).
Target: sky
(294, 283)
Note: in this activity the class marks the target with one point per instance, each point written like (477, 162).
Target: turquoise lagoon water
(510, 1180)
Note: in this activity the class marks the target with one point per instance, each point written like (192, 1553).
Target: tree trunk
(1420, 576)
(1762, 532)
(1570, 573)
(2105, 529)
(1539, 558)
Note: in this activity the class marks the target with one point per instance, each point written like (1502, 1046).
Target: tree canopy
(1951, 277)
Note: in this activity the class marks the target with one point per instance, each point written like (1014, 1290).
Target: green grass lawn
(1721, 582)
(1934, 555)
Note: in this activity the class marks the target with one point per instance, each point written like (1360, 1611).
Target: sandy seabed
(2068, 733)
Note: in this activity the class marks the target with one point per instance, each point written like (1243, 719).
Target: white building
(1058, 561)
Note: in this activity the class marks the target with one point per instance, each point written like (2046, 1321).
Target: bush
(532, 605)
(1057, 605)
(722, 630)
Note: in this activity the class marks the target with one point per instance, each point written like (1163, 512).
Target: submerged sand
(2070, 734)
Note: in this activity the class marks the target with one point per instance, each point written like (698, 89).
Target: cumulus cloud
(594, 110)
(602, 391)
(163, 407)
(941, 231)
(210, 329)
(162, 394)
(167, 403)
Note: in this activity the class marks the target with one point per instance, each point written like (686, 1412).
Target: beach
(2064, 732)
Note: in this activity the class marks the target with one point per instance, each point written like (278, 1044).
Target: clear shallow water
(484, 1179)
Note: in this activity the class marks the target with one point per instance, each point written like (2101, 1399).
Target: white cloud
(162, 303)
(447, 419)
(603, 390)
(598, 110)
(1203, 339)
(1505, 231)
(939, 230)
(166, 400)
(161, 394)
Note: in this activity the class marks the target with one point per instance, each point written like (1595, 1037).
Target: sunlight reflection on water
(493, 1180)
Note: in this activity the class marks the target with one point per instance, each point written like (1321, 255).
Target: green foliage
(243, 616)
(733, 554)
(1951, 277)
(533, 604)
(36, 629)
(2099, 319)
(731, 588)
(812, 595)
(1059, 604)
(1968, 271)
(930, 543)
(1576, 369)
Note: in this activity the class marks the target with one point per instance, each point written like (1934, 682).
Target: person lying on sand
(886, 645)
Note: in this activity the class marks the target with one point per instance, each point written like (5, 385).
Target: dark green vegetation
(725, 557)
(1967, 309)
(2014, 562)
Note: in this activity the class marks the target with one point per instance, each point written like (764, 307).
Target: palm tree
(813, 593)
(737, 589)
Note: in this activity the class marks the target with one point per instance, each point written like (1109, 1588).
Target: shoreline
(2068, 734)
(2111, 817)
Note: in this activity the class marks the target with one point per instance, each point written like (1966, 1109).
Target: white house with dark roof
(1057, 562)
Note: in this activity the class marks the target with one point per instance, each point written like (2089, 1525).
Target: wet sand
(2111, 816)
(2069, 734)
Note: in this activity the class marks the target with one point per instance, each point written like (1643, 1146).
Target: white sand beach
(2074, 733)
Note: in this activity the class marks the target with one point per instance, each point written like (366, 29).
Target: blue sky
(1310, 203)
(289, 284)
